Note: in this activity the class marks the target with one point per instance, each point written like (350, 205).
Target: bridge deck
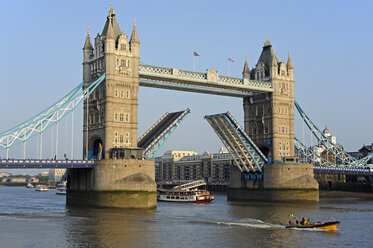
(44, 164)
(153, 138)
(339, 170)
(209, 83)
(246, 155)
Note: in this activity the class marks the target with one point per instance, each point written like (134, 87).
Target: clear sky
(330, 42)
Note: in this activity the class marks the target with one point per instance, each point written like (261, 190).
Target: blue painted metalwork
(257, 158)
(152, 148)
(308, 153)
(245, 137)
(337, 151)
(343, 170)
(45, 163)
(51, 115)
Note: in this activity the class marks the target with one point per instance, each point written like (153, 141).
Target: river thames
(41, 219)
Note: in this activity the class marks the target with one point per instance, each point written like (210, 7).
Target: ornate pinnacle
(267, 43)
(111, 11)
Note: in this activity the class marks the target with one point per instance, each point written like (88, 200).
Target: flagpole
(228, 67)
(194, 63)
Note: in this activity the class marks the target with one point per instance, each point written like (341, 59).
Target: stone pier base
(280, 183)
(120, 183)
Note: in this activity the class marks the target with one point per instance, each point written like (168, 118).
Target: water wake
(258, 224)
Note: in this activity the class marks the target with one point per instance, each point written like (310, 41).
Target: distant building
(363, 152)
(5, 179)
(56, 175)
(189, 165)
(44, 174)
(18, 180)
(4, 174)
(320, 148)
(33, 180)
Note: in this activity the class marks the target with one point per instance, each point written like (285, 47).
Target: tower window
(121, 117)
(116, 93)
(123, 47)
(122, 62)
(121, 94)
(115, 116)
(127, 94)
(127, 117)
(121, 139)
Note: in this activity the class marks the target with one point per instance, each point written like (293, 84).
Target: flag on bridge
(231, 60)
(195, 54)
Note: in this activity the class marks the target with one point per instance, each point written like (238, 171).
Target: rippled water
(41, 219)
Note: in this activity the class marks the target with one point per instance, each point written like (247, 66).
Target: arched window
(116, 93)
(115, 117)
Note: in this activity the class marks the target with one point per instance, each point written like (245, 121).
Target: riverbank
(344, 194)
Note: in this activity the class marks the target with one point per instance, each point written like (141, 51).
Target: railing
(45, 163)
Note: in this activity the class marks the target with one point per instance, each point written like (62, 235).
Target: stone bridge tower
(269, 118)
(121, 177)
(110, 113)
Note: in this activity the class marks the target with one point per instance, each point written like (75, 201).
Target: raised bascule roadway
(116, 159)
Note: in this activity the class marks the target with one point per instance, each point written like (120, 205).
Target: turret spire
(289, 63)
(87, 43)
(110, 31)
(246, 70)
(134, 37)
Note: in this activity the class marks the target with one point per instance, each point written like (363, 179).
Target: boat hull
(326, 226)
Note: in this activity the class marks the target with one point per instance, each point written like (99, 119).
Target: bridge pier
(119, 183)
(279, 183)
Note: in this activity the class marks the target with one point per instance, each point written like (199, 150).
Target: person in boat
(303, 220)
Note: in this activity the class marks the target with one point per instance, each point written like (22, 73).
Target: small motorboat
(330, 225)
(41, 188)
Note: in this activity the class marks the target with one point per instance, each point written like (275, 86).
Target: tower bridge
(117, 169)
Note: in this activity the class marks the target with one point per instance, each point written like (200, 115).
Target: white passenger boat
(188, 193)
(29, 185)
(61, 191)
(61, 188)
(41, 188)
